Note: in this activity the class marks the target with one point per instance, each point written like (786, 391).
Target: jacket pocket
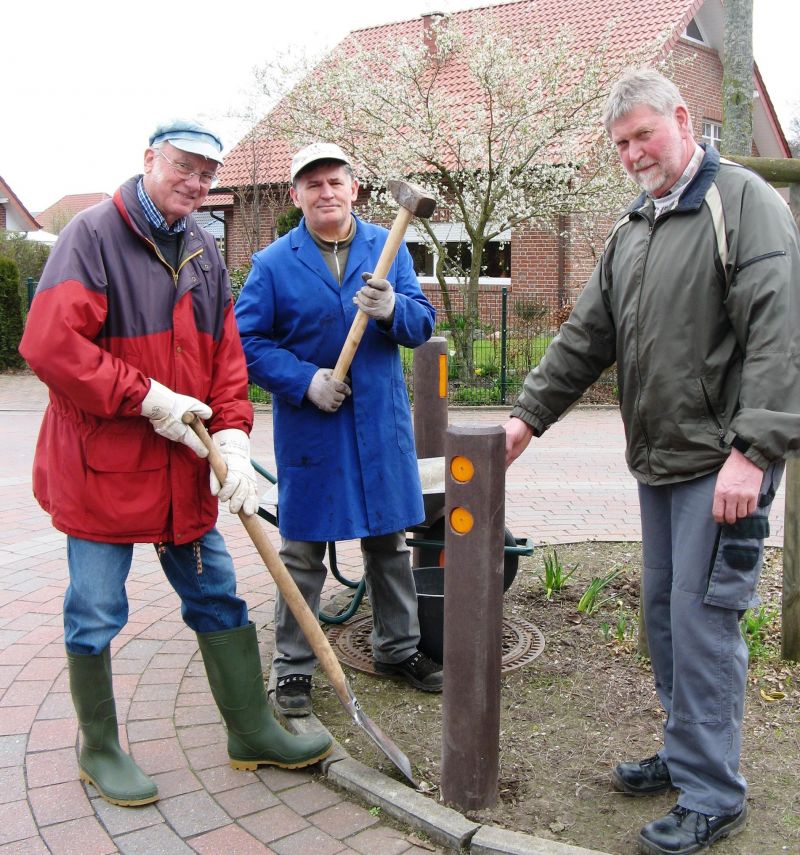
(402, 415)
(125, 447)
(127, 478)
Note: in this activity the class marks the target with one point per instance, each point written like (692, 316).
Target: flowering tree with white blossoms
(505, 132)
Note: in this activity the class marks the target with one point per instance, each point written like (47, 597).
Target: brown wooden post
(473, 614)
(430, 416)
(790, 601)
(790, 608)
(430, 397)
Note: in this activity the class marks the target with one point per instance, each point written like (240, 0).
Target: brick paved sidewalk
(570, 485)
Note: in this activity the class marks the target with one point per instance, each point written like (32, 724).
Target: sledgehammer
(414, 201)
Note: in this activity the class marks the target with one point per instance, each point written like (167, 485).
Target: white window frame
(702, 40)
(715, 137)
(455, 233)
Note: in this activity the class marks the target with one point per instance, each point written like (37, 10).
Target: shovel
(305, 618)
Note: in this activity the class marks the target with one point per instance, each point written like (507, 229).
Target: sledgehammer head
(412, 197)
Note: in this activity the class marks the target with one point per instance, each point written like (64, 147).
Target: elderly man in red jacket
(131, 328)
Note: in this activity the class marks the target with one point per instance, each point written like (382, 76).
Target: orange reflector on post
(461, 520)
(442, 375)
(462, 468)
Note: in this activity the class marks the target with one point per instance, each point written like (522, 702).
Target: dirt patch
(586, 703)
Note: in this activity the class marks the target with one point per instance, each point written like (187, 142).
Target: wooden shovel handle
(393, 242)
(286, 585)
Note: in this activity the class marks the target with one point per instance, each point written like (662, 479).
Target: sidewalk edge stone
(490, 840)
(442, 824)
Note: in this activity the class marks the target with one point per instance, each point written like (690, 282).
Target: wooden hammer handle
(393, 242)
(286, 585)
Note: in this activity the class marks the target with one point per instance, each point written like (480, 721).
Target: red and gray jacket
(108, 314)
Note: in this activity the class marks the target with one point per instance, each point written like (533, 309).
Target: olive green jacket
(700, 310)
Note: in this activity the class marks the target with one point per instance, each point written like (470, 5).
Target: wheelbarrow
(427, 538)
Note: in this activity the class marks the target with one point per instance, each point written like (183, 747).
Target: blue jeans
(96, 604)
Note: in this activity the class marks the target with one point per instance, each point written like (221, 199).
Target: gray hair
(641, 86)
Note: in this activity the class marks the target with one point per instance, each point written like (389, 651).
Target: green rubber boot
(102, 762)
(255, 738)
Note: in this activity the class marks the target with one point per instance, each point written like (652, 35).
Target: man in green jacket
(696, 300)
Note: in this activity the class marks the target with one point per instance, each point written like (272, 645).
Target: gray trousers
(698, 579)
(390, 588)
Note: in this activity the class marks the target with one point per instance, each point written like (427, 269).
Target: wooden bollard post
(430, 416)
(790, 609)
(430, 397)
(473, 614)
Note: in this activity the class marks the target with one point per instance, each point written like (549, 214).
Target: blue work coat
(354, 472)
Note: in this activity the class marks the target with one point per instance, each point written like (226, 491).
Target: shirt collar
(670, 199)
(154, 216)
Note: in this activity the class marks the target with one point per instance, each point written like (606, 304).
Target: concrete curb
(441, 824)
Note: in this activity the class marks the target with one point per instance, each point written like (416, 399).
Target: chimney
(428, 32)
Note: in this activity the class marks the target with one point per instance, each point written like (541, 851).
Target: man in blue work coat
(347, 466)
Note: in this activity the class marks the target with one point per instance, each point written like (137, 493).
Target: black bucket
(430, 608)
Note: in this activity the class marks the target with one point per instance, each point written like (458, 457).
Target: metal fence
(510, 338)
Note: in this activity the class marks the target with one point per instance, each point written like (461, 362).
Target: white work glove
(326, 393)
(165, 409)
(376, 298)
(240, 488)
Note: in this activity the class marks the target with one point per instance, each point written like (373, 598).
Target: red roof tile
(631, 24)
(54, 218)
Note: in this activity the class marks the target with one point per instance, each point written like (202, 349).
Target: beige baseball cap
(314, 152)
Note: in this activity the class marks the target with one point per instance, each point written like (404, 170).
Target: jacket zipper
(336, 259)
(648, 446)
(766, 255)
(169, 267)
(710, 408)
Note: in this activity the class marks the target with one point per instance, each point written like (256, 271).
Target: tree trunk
(737, 78)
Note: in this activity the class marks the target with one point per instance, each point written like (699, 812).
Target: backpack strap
(617, 226)
(714, 202)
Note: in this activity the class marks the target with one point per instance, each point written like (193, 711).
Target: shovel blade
(383, 742)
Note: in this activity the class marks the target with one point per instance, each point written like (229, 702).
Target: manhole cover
(522, 643)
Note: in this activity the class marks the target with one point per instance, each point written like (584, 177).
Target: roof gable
(18, 217)
(54, 218)
(628, 25)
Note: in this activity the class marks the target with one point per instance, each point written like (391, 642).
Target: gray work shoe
(418, 670)
(293, 695)
(645, 778)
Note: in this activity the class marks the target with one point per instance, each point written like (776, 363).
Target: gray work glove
(326, 393)
(240, 488)
(165, 409)
(376, 298)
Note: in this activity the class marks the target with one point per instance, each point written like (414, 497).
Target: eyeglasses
(207, 179)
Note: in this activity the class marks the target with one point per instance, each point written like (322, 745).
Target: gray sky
(87, 81)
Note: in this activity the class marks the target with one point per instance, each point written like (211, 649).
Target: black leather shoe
(683, 831)
(419, 670)
(293, 695)
(645, 778)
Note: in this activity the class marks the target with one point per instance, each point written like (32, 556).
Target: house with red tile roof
(14, 216)
(54, 218)
(536, 263)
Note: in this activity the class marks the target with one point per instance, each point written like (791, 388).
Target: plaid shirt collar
(152, 213)
(671, 199)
